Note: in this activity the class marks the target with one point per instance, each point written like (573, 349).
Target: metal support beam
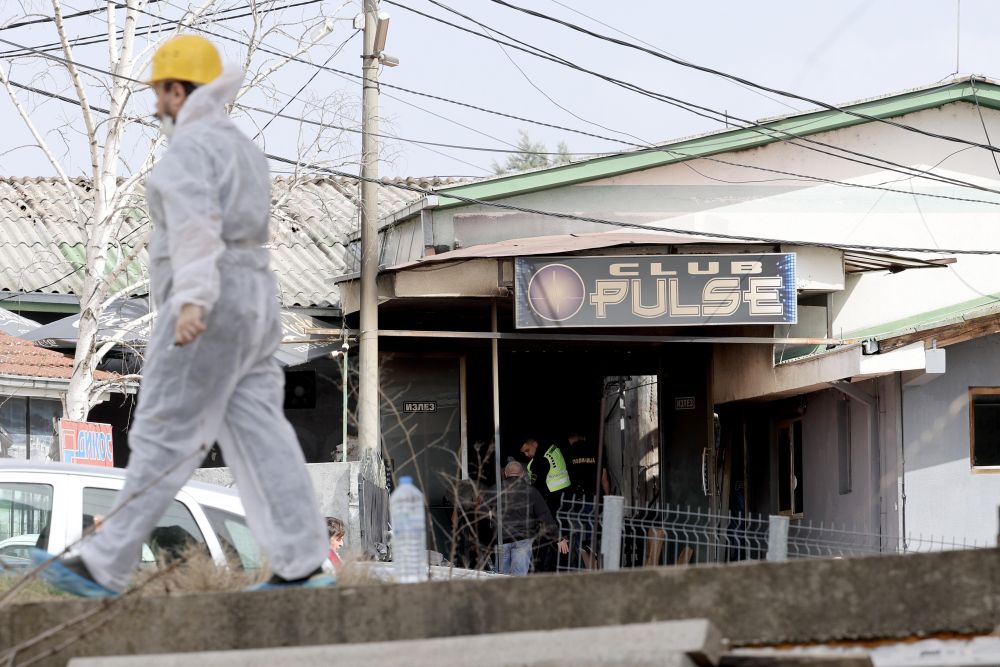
(584, 338)
(496, 433)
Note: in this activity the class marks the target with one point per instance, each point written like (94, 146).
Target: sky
(834, 52)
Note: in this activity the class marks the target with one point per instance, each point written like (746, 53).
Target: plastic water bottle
(409, 532)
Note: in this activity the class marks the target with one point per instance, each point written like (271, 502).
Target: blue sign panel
(655, 290)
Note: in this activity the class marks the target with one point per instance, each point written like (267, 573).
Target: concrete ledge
(751, 604)
(676, 643)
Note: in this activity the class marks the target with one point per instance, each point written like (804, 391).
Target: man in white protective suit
(209, 373)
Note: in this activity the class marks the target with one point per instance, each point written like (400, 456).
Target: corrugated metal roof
(42, 240)
(854, 261)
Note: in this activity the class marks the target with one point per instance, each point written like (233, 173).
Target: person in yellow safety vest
(550, 475)
(557, 477)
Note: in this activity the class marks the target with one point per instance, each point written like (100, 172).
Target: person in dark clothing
(547, 472)
(582, 461)
(525, 518)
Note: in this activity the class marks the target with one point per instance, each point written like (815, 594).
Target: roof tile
(41, 237)
(25, 359)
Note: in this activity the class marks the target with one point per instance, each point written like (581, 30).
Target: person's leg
(506, 551)
(520, 559)
(182, 399)
(261, 448)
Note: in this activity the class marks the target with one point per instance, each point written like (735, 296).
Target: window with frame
(789, 436)
(175, 532)
(236, 539)
(25, 514)
(844, 445)
(984, 428)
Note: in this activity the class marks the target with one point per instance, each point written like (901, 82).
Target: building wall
(943, 496)
(721, 198)
(873, 473)
(822, 500)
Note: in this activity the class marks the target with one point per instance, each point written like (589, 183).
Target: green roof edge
(803, 124)
(930, 319)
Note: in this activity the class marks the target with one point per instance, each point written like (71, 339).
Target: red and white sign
(86, 443)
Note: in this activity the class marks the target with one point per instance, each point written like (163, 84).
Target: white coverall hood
(209, 102)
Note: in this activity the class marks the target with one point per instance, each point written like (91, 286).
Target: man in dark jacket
(525, 518)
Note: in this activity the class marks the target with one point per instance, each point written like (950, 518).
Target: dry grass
(194, 572)
(33, 591)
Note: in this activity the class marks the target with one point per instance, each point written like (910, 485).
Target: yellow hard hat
(186, 58)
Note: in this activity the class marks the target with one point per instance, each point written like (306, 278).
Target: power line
(259, 110)
(910, 171)
(99, 70)
(615, 223)
(903, 169)
(50, 19)
(697, 109)
(653, 46)
(733, 77)
(464, 147)
(99, 38)
(667, 151)
(630, 225)
(292, 98)
(344, 75)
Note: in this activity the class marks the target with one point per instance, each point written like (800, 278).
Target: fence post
(777, 538)
(611, 531)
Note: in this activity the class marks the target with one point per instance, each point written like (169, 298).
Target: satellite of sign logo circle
(556, 292)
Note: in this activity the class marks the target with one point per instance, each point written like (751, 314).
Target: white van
(51, 504)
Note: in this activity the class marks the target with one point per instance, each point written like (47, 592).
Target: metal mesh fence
(676, 535)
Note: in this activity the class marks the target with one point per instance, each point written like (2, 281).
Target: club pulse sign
(655, 290)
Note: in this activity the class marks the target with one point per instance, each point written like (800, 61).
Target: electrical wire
(738, 79)
(352, 75)
(653, 46)
(260, 110)
(99, 38)
(780, 172)
(909, 170)
(292, 98)
(51, 19)
(699, 110)
(631, 225)
(556, 214)
(902, 169)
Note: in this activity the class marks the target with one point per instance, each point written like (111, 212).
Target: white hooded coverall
(209, 199)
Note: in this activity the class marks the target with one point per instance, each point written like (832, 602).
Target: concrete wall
(822, 499)
(872, 504)
(944, 497)
(751, 604)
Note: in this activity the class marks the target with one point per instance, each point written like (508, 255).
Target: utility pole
(375, 26)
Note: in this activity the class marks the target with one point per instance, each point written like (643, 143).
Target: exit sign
(684, 403)
(420, 406)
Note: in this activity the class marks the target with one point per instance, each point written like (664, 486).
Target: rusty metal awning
(854, 261)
